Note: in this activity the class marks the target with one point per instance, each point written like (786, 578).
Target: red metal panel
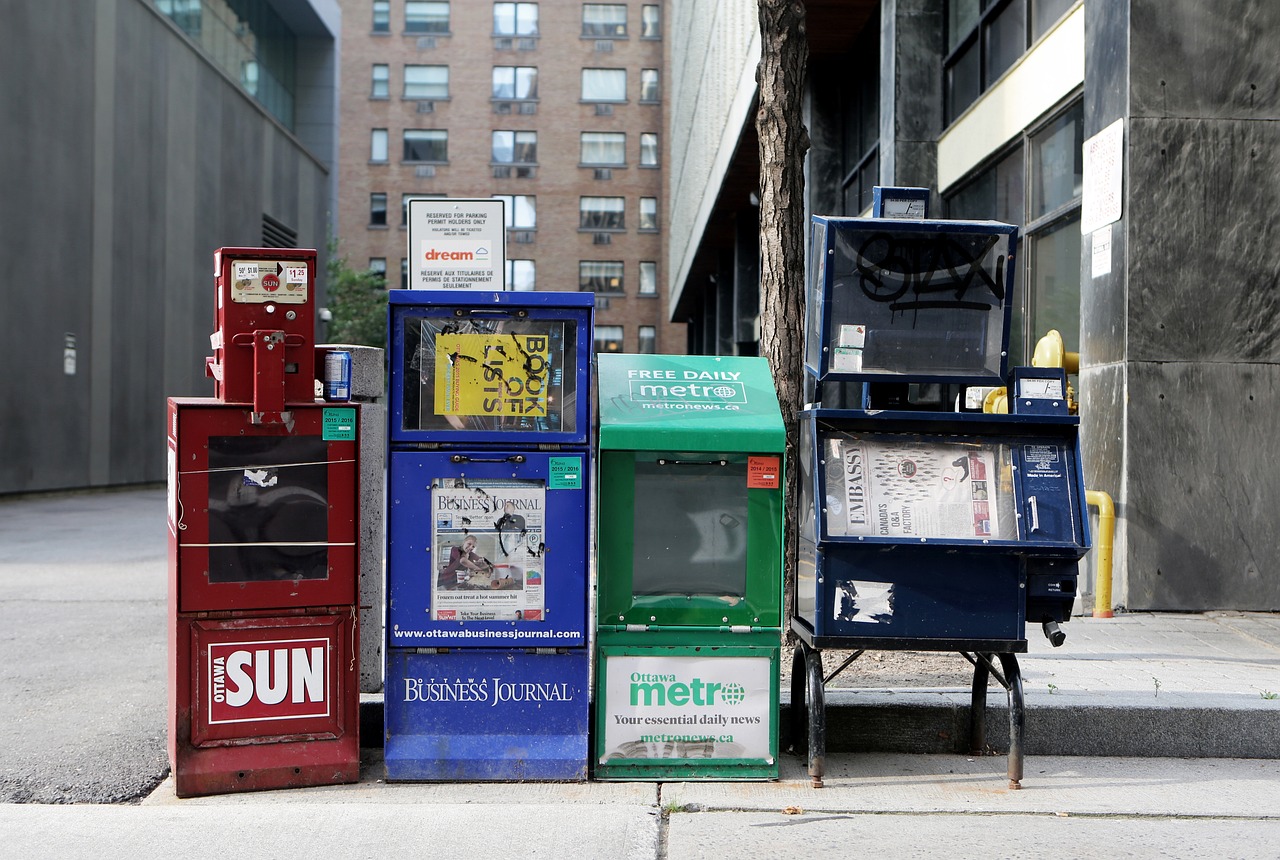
(264, 515)
(264, 702)
(276, 294)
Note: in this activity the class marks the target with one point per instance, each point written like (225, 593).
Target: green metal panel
(688, 403)
(756, 603)
(686, 712)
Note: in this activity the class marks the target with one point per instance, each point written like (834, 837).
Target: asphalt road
(82, 647)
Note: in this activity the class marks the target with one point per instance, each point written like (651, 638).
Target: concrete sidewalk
(83, 668)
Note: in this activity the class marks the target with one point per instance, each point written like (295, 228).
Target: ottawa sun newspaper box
(926, 523)
(689, 606)
(487, 666)
(262, 547)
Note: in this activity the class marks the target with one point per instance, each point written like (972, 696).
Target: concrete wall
(128, 158)
(714, 50)
(1183, 341)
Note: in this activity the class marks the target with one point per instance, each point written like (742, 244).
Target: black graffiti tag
(938, 271)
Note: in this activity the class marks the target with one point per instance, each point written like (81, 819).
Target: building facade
(138, 137)
(1134, 143)
(556, 107)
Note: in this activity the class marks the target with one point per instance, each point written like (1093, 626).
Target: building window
(600, 276)
(604, 21)
(649, 91)
(378, 210)
(381, 81)
(648, 149)
(648, 340)
(382, 16)
(421, 16)
(650, 21)
(378, 266)
(648, 214)
(521, 275)
(648, 279)
(985, 39)
(608, 338)
(378, 145)
(515, 19)
(859, 94)
(430, 145)
(603, 149)
(1036, 185)
(404, 208)
(601, 213)
(515, 82)
(515, 147)
(520, 211)
(426, 82)
(604, 85)
(404, 273)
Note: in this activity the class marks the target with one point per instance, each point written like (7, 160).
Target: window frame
(531, 81)
(516, 32)
(376, 197)
(617, 143)
(516, 145)
(655, 149)
(602, 220)
(599, 29)
(380, 87)
(648, 285)
(426, 96)
(374, 135)
(620, 89)
(614, 278)
(444, 140)
(427, 26)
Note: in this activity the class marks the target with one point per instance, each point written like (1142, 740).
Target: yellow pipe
(1106, 540)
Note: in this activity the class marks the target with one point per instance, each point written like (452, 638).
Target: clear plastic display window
(690, 529)
(268, 508)
(473, 373)
(913, 303)
(882, 486)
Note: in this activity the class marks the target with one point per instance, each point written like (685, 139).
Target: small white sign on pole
(457, 244)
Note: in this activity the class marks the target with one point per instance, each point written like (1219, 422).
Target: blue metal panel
(424, 489)
(560, 415)
(486, 715)
(906, 592)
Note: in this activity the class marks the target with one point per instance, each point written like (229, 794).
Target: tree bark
(784, 140)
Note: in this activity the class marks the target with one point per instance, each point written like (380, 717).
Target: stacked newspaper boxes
(487, 665)
(925, 523)
(689, 606)
(263, 575)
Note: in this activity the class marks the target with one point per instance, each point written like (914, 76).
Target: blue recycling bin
(487, 667)
(926, 523)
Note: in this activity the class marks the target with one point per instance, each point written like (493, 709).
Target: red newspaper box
(263, 562)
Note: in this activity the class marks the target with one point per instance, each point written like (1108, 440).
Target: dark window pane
(1045, 13)
(1055, 282)
(963, 82)
(1057, 163)
(1006, 38)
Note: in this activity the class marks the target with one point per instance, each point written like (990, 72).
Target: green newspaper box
(689, 604)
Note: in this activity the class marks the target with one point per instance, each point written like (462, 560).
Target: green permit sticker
(565, 473)
(339, 425)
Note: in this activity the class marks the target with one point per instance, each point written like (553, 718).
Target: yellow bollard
(1106, 539)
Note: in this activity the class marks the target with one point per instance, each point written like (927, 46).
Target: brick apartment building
(555, 106)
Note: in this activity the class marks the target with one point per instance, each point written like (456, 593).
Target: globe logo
(732, 694)
(724, 391)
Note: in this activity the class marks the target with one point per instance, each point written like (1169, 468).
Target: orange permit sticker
(764, 473)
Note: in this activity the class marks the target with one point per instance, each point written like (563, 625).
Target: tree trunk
(784, 140)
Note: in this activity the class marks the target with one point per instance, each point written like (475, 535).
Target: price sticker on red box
(764, 473)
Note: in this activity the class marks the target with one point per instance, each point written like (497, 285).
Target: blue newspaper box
(926, 523)
(487, 671)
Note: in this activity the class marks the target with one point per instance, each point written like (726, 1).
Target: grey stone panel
(1103, 310)
(917, 166)
(918, 50)
(1203, 488)
(1101, 394)
(1203, 269)
(1106, 64)
(1195, 59)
